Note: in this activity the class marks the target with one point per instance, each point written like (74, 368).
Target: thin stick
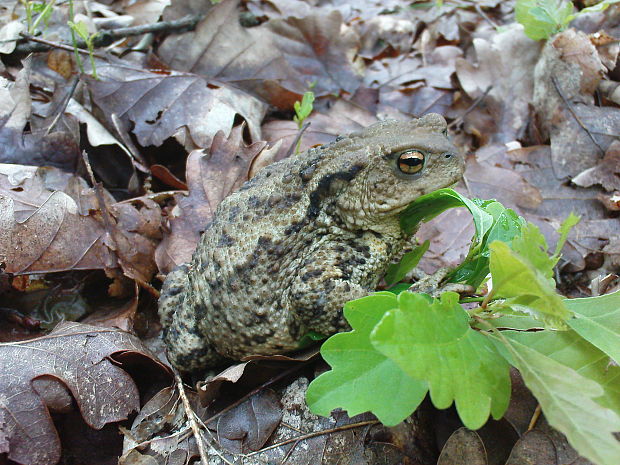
(105, 37)
(48, 45)
(471, 107)
(63, 105)
(315, 434)
(192, 420)
(570, 108)
(535, 417)
(484, 15)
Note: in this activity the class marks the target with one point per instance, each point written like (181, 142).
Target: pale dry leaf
(57, 149)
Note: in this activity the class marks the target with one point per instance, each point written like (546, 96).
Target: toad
(305, 235)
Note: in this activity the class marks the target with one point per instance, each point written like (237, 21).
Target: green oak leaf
(597, 320)
(543, 18)
(427, 207)
(431, 340)
(568, 399)
(362, 379)
(526, 288)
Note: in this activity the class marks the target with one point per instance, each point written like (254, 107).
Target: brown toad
(307, 234)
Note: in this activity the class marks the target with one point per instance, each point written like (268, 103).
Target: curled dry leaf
(159, 105)
(247, 427)
(464, 447)
(606, 172)
(77, 356)
(211, 176)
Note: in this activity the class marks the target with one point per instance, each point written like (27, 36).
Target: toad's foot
(433, 286)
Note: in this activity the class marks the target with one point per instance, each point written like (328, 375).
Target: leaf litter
(537, 138)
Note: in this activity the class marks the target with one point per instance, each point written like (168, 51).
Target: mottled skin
(307, 234)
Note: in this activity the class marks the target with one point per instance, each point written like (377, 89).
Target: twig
(471, 107)
(297, 140)
(484, 15)
(105, 214)
(48, 45)
(192, 419)
(535, 417)
(315, 434)
(572, 111)
(105, 37)
(63, 105)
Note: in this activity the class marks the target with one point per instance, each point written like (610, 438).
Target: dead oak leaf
(159, 105)
(51, 220)
(211, 175)
(277, 60)
(78, 357)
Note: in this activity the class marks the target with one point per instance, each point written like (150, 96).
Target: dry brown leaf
(464, 447)
(211, 175)
(572, 148)
(57, 149)
(77, 356)
(435, 69)
(505, 62)
(510, 188)
(51, 221)
(282, 54)
(248, 426)
(606, 173)
(160, 105)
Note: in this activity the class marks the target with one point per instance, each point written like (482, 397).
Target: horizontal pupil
(411, 161)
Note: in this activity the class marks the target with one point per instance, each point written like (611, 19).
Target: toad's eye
(411, 162)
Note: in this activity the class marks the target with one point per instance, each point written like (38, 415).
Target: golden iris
(411, 162)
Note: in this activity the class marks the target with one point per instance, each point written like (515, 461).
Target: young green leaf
(397, 271)
(543, 18)
(568, 224)
(303, 109)
(597, 320)
(568, 402)
(80, 29)
(431, 340)
(532, 246)
(363, 379)
(526, 288)
(506, 226)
